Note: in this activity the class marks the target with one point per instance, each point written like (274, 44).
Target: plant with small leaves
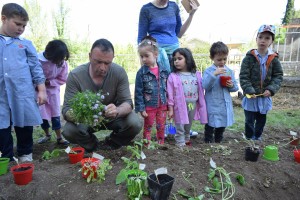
(54, 154)
(87, 108)
(101, 169)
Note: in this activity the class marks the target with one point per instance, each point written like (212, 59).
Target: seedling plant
(54, 154)
(101, 169)
(221, 182)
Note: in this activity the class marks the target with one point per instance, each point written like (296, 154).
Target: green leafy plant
(221, 182)
(54, 154)
(101, 169)
(136, 184)
(87, 108)
(184, 193)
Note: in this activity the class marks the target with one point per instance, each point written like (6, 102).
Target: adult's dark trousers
(254, 124)
(124, 130)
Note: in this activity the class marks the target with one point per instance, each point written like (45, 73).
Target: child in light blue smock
(217, 97)
(20, 74)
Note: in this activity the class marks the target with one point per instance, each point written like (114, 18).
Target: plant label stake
(159, 171)
(98, 156)
(0, 154)
(142, 166)
(143, 156)
(212, 163)
(67, 150)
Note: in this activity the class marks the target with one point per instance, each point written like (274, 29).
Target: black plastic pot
(251, 154)
(161, 189)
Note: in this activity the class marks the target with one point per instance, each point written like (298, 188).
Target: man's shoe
(107, 144)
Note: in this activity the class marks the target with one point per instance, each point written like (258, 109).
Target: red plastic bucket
(22, 173)
(93, 163)
(297, 155)
(76, 157)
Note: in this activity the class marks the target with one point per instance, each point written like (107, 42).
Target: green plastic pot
(4, 165)
(271, 153)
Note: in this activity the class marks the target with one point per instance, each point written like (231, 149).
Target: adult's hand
(111, 111)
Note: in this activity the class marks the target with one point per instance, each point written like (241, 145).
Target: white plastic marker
(16, 159)
(142, 166)
(292, 133)
(67, 150)
(98, 156)
(143, 156)
(159, 171)
(0, 154)
(212, 163)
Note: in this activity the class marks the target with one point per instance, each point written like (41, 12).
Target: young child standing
(261, 73)
(55, 68)
(217, 96)
(185, 95)
(150, 95)
(20, 73)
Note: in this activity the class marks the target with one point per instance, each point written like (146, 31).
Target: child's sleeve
(138, 93)
(61, 78)
(170, 90)
(35, 66)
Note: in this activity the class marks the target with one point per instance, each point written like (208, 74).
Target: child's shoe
(26, 158)
(193, 134)
(45, 139)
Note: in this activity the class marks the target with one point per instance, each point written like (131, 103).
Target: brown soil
(58, 179)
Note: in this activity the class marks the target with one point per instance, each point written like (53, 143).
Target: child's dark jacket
(250, 74)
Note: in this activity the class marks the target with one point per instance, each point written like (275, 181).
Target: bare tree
(60, 18)
(37, 27)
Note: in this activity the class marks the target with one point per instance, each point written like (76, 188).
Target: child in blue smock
(217, 96)
(20, 74)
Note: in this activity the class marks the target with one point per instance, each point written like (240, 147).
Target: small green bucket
(4, 165)
(271, 153)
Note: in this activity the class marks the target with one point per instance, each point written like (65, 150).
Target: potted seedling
(251, 151)
(3, 164)
(94, 170)
(160, 184)
(75, 154)
(136, 184)
(294, 140)
(22, 172)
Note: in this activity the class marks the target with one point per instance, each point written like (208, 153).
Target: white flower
(95, 116)
(102, 97)
(100, 113)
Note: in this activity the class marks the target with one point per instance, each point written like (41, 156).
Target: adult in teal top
(161, 20)
(20, 73)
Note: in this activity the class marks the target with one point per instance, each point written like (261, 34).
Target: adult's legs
(124, 129)
(6, 143)
(80, 134)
